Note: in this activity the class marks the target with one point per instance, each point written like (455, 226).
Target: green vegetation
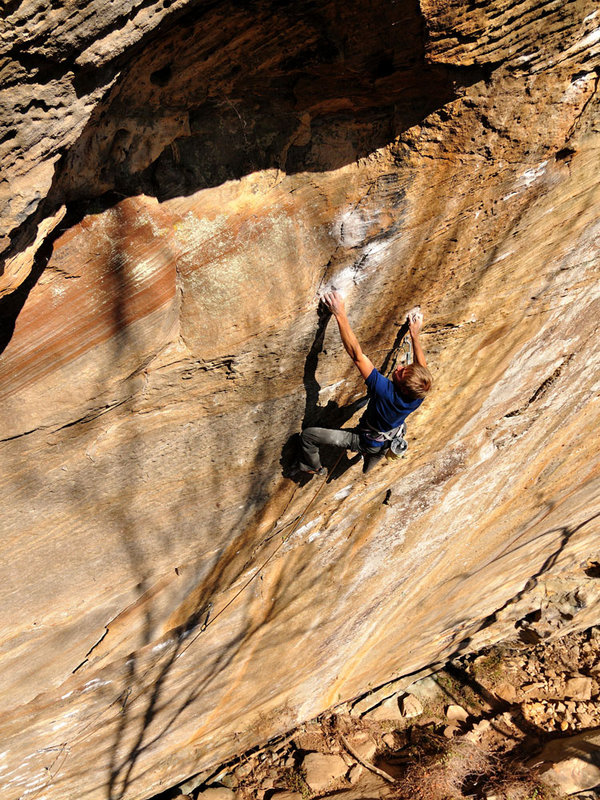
(296, 782)
(489, 666)
(458, 692)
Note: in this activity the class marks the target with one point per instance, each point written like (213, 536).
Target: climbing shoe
(300, 467)
(321, 471)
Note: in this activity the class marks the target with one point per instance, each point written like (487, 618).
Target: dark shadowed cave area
(226, 90)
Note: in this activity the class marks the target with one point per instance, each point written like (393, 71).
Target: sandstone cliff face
(180, 182)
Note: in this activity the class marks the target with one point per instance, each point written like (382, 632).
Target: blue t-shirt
(387, 408)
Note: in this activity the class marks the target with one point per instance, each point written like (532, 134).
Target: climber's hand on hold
(415, 322)
(334, 302)
(414, 326)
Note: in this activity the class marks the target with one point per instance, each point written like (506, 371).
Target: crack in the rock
(25, 433)
(63, 273)
(578, 117)
(92, 415)
(91, 650)
(542, 388)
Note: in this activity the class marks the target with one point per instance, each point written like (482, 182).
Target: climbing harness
(393, 440)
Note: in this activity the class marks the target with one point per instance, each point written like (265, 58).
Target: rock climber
(390, 401)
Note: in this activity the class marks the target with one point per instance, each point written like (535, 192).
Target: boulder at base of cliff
(571, 765)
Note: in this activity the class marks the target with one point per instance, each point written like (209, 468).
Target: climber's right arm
(334, 302)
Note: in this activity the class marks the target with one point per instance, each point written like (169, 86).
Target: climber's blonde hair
(415, 381)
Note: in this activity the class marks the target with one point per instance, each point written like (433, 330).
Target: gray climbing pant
(311, 438)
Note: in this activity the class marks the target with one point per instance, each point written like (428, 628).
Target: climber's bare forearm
(348, 337)
(418, 353)
(361, 362)
(335, 303)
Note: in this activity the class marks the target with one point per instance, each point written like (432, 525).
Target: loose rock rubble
(556, 683)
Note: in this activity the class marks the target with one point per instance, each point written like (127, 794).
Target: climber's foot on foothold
(302, 469)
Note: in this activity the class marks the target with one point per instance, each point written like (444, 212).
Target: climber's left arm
(414, 327)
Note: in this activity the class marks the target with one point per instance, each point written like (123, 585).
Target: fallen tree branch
(366, 764)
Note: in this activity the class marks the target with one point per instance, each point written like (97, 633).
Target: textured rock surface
(178, 184)
(572, 764)
(322, 771)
